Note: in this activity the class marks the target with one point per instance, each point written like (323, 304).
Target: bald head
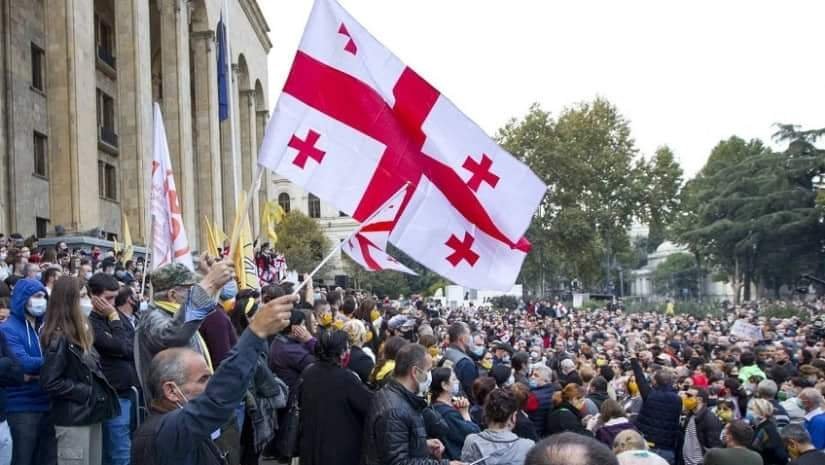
(570, 449)
(177, 375)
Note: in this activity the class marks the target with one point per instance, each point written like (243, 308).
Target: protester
(658, 418)
(385, 366)
(813, 403)
(456, 354)
(766, 438)
(11, 374)
(738, 435)
(631, 449)
(217, 330)
(81, 398)
(180, 304)
(448, 417)
(610, 422)
(497, 444)
(334, 405)
(570, 449)
(189, 404)
(524, 426)
(27, 406)
(292, 350)
(395, 431)
(800, 449)
(566, 414)
(114, 342)
(701, 429)
(361, 361)
(542, 389)
(482, 387)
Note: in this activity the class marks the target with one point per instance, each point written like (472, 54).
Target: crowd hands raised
(203, 373)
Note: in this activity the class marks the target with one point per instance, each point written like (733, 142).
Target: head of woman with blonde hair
(628, 440)
(356, 332)
(759, 411)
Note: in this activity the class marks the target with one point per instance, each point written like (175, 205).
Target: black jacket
(708, 432)
(361, 364)
(658, 421)
(570, 378)
(565, 418)
(115, 343)
(334, 404)
(11, 374)
(395, 432)
(544, 395)
(79, 393)
(768, 443)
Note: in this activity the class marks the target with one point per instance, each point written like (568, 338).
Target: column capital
(247, 92)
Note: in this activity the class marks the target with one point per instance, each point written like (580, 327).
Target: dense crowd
(93, 372)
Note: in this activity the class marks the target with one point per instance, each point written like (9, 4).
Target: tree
(302, 242)
(674, 275)
(661, 182)
(393, 283)
(586, 157)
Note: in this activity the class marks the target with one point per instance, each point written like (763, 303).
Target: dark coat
(288, 358)
(395, 432)
(607, 433)
(115, 343)
(334, 404)
(361, 364)
(598, 398)
(524, 427)
(658, 421)
(183, 436)
(570, 378)
(446, 424)
(565, 418)
(11, 374)
(768, 443)
(544, 395)
(218, 334)
(79, 392)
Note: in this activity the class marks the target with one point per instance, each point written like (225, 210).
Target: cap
(397, 321)
(172, 275)
(504, 346)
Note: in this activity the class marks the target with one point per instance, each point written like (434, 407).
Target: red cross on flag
(354, 125)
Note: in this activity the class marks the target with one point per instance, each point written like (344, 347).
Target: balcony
(107, 139)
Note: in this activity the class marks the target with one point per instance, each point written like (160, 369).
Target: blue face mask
(532, 383)
(229, 290)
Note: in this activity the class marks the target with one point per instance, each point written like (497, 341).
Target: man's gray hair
(166, 366)
(545, 372)
(796, 433)
(766, 389)
(813, 396)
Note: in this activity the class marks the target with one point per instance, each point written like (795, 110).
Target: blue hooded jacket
(23, 342)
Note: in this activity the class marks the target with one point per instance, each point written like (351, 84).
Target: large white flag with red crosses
(354, 125)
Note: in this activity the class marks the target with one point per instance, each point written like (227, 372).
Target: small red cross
(462, 250)
(350, 47)
(481, 172)
(306, 149)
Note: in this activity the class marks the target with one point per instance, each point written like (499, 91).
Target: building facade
(78, 79)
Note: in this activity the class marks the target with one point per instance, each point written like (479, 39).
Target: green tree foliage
(676, 273)
(393, 283)
(302, 242)
(752, 212)
(660, 182)
(508, 302)
(587, 157)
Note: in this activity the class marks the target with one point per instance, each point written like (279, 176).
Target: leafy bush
(783, 311)
(504, 301)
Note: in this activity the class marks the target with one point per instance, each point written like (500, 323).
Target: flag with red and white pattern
(354, 125)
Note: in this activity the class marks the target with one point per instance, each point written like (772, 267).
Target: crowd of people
(201, 372)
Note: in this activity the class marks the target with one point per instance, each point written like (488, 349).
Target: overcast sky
(686, 75)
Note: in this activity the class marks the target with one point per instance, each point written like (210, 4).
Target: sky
(685, 74)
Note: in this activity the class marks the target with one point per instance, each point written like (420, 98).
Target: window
(107, 180)
(283, 201)
(41, 155)
(106, 118)
(38, 71)
(41, 227)
(314, 206)
(105, 41)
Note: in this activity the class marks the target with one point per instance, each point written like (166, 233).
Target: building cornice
(258, 22)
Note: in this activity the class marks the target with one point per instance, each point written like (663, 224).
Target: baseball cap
(173, 275)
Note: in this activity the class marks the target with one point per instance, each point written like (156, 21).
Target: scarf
(692, 449)
(172, 308)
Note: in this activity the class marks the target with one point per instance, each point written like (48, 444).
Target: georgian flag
(354, 125)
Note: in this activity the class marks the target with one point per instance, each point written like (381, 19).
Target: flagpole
(308, 277)
(247, 203)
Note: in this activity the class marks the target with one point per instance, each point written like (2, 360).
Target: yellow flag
(243, 253)
(273, 214)
(211, 245)
(128, 247)
(115, 246)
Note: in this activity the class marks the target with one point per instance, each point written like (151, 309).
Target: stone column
(267, 187)
(249, 152)
(177, 105)
(6, 218)
(134, 88)
(229, 182)
(207, 130)
(70, 54)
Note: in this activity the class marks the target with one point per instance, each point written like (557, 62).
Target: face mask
(433, 351)
(326, 319)
(725, 415)
(632, 388)
(424, 385)
(456, 389)
(4, 273)
(690, 403)
(510, 381)
(487, 364)
(88, 275)
(39, 275)
(505, 360)
(86, 306)
(478, 351)
(532, 383)
(752, 419)
(180, 392)
(36, 306)
(144, 306)
(229, 290)
(374, 315)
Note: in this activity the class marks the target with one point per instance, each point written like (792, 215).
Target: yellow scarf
(172, 308)
(385, 370)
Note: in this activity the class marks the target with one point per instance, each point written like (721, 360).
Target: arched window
(314, 206)
(283, 201)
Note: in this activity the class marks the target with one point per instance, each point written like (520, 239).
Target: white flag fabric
(350, 106)
(169, 242)
(370, 256)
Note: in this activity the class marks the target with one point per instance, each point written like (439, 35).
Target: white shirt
(810, 415)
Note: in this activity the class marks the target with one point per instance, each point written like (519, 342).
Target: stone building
(77, 83)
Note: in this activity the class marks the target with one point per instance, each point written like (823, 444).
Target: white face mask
(86, 306)
(456, 388)
(143, 306)
(36, 306)
(424, 386)
(510, 381)
(88, 275)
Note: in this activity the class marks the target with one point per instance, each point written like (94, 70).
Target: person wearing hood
(28, 404)
(497, 444)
